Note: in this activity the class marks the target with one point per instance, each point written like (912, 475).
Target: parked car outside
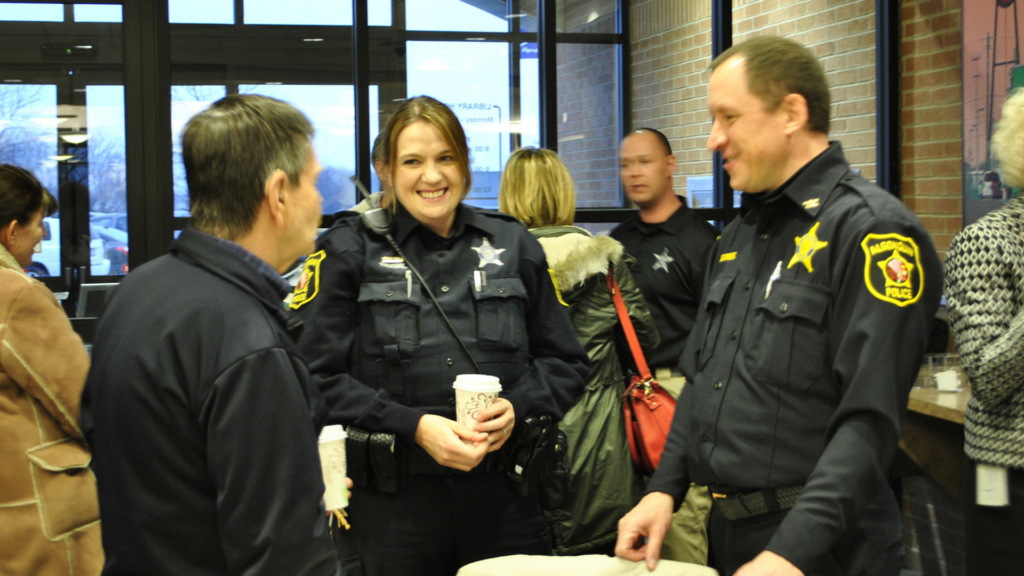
(112, 228)
(47, 262)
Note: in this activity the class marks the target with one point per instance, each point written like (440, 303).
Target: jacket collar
(8, 261)
(207, 253)
(676, 223)
(464, 216)
(810, 188)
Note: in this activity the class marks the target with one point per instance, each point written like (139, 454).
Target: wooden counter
(933, 437)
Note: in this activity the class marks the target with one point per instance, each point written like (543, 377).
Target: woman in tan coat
(49, 513)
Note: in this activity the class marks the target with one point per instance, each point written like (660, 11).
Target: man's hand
(348, 484)
(497, 421)
(651, 518)
(442, 439)
(768, 564)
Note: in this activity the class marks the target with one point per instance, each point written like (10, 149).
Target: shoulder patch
(309, 281)
(892, 268)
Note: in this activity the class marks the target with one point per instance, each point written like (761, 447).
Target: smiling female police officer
(439, 497)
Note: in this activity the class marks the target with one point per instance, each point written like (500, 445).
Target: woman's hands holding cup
(443, 440)
(497, 421)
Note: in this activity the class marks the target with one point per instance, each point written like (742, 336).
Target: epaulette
(495, 213)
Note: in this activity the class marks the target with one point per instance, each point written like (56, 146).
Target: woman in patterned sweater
(985, 292)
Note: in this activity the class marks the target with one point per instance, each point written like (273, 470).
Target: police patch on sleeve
(309, 281)
(892, 268)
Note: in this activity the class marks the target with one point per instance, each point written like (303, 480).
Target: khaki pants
(687, 538)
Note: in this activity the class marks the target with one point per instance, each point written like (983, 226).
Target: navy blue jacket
(203, 423)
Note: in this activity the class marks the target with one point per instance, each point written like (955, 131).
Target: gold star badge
(807, 246)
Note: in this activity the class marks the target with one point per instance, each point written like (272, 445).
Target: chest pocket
(394, 313)
(718, 291)
(791, 335)
(501, 314)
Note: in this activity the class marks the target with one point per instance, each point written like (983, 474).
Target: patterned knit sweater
(985, 293)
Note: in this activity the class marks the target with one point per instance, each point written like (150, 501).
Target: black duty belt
(748, 504)
(379, 460)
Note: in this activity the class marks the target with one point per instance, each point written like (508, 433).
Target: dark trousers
(872, 546)
(993, 536)
(437, 524)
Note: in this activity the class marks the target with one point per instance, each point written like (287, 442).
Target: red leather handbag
(647, 406)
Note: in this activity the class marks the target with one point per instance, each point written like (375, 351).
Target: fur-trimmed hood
(575, 255)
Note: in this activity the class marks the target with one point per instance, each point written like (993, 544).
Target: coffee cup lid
(333, 432)
(477, 383)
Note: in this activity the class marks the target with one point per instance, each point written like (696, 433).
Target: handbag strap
(627, 327)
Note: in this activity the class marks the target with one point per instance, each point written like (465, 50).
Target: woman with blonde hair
(49, 510)
(603, 484)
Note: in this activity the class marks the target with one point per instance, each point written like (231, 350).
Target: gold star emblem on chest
(806, 247)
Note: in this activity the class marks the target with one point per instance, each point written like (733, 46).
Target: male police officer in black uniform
(669, 242)
(817, 308)
(671, 245)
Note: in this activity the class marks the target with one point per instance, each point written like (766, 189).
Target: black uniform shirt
(380, 352)
(817, 310)
(669, 269)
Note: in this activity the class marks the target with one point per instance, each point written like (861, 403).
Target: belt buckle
(731, 506)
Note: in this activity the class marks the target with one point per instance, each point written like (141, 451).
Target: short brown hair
(436, 114)
(229, 151)
(777, 67)
(22, 196)
(537, 189)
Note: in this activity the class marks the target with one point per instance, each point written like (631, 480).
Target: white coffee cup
(474, 393)
(334, 465)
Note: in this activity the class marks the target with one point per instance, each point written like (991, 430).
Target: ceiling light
(520, 15)
(275, 83)
(12, 80)
(74, 138)
(312, 39)
(62, 157)
(593, 16)
(476, 39)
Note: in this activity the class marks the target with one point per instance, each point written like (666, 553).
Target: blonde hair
(436, 114)
(1008, 141)
(537, 189)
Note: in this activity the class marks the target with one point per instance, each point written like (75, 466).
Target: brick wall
(671, 42)
(671, 51)
(932, 129)
(588, 119)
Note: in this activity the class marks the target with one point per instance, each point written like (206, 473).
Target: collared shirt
(670, 260)
(817, 311)
(265, 270)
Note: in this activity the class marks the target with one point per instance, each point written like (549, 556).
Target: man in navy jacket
(199, 407)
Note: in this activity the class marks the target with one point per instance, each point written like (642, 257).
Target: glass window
(472, 78)
(586, 16)
(107, 175)
(454, 16)
(588, 121)
(201, 11)
(25, 12)
(186, 102)
(313, 12)
(28, 129)
(331, 109)
(529, 95)
(97, 13)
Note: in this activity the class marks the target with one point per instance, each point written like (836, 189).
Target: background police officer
(810, 333)
(671, 245)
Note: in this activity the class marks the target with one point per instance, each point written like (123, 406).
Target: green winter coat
(603, 484)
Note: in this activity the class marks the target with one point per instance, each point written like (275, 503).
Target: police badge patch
(892, 268)
(309, 281)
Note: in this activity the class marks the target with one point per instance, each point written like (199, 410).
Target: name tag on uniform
(728, 256)
(993, 487)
